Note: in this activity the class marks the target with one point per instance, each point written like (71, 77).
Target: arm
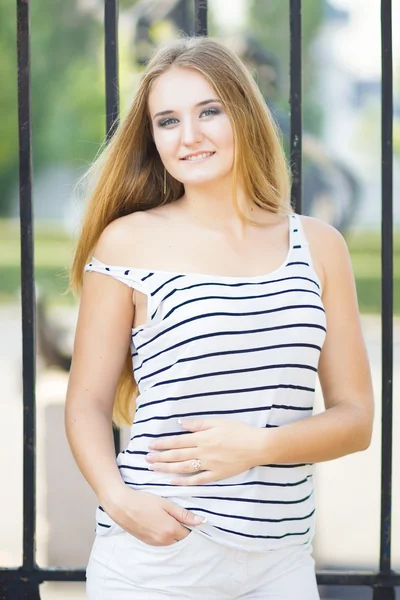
(344, 373)
(101, 345)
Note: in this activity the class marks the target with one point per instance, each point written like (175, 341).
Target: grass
(54, 248)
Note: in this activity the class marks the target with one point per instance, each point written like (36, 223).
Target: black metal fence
(23, 583)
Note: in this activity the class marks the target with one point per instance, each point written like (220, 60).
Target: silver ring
(196, 464)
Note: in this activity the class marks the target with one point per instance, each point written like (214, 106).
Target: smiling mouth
(198, 157)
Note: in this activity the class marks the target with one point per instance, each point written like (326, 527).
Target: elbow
(365, 424)
(365, 442)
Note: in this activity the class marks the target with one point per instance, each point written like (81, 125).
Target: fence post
(384, 594)
(19, 590)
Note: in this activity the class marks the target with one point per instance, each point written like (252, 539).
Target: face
(191, 129)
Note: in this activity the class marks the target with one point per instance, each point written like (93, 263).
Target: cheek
(223, 135)
(166, 143)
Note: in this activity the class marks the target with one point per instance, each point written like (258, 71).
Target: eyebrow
(202, 103)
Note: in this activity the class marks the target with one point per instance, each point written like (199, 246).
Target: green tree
(67, 88)
(269, 23)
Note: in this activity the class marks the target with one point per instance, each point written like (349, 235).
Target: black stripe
(292, 466)
(157, 435)
(153, 293)
(254, 519)
(234, 298)
(147, 276)
(207, 413)
(241, 284)
(234, 391)
(226, 353)
(227, 485)
(254, 500)
(240, 332)
(133, 468)
(291, 264)
(264, 537)
(103, 525)
(236, 371)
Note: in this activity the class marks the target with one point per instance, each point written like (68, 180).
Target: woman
(221, 304)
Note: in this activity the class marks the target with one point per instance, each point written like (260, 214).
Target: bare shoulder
(126, 238)
(321, 234)
(327, 246)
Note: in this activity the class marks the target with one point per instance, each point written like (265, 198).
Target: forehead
(179, 88)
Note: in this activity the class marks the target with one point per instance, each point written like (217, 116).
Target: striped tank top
(242, 348)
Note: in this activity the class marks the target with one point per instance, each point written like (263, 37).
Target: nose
(191, 132)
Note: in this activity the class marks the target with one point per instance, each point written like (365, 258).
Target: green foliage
(269, 22)
(8, 98)
(66, 87)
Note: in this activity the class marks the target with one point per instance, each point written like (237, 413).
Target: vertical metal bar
(112, 97)
(186, 17)
(387, 295)
(200, 17)
(27, 284)
(384, 594)
(111, 65)
(295, 103)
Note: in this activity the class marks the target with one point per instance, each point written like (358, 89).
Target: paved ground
(348, 490)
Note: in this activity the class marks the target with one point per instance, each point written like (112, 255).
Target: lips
(198, 156)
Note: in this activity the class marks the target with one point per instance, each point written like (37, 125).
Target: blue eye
(166, 122)
(211, 111)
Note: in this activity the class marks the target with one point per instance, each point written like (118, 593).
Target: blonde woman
(207, 308)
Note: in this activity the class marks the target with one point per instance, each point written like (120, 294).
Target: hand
(224, 448)
(154, 520)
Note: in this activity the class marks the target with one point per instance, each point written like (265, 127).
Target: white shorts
(121, 567)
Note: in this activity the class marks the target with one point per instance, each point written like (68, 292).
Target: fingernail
(199, 520)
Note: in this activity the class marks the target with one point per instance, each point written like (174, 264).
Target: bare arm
(101, 344)
(100, 348)
(346, 425)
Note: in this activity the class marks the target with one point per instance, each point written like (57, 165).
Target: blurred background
(341, 184)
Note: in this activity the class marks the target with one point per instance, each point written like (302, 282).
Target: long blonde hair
(128, 172)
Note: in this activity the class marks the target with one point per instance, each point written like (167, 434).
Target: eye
(166, 122)
(211, 111)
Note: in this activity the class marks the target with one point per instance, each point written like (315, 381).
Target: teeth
(199, 156)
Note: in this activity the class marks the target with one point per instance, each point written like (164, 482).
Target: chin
(204, 179)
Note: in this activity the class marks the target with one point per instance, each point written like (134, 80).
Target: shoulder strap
(133, 278)
(300, 240)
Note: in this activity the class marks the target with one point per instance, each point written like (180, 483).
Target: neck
(212, 206)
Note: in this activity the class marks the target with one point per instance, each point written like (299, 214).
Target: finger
(174, 442)
(171, 456)
(174, 467)
(183, 515)
(199, 424)
(199, 479)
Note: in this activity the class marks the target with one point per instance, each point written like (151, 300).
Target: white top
(241, 348)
